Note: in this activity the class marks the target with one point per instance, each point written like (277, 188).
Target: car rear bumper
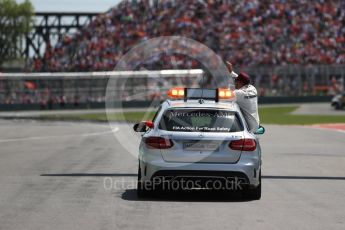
(246, 170)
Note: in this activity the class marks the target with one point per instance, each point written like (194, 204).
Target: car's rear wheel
(141, 189)
(253, 193)
(337, 106)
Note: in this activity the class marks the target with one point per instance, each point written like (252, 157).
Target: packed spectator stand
(248, 32)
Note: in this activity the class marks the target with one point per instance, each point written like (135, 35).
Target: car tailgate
(190, 147)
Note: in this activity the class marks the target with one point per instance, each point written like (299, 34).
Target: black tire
(141, 190)
(337, 106)
(253, 193)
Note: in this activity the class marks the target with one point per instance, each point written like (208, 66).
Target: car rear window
(200, 120)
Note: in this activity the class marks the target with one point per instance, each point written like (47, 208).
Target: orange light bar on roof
(176, 93)
(225, 93)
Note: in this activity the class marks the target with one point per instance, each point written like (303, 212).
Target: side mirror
(143, 126)
(260, 131)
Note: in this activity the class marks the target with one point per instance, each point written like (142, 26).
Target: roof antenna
(203, 84)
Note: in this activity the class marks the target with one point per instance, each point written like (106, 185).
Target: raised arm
(232, 73)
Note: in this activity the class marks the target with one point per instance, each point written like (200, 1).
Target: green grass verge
(268, 115)
(126, 116)
(282, 116)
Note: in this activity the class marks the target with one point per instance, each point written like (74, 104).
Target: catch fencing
(46, 89)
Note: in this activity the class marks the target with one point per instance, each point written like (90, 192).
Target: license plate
(200, 146)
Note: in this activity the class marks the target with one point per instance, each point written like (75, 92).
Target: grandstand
(290, 48)
(249, 33)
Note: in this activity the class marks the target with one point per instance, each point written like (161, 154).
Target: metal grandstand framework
(49, 27)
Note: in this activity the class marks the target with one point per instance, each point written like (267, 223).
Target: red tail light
(243, 145)
(158, 143)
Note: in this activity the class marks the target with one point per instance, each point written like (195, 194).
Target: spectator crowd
(246, 32)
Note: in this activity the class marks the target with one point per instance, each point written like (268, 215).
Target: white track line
(59, 136)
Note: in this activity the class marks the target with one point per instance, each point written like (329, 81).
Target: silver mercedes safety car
(338, 101)
(199, 139)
